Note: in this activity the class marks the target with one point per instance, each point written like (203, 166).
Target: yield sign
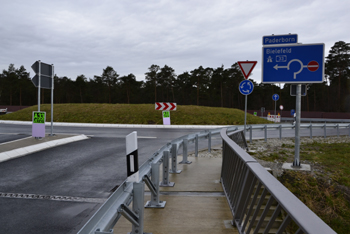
(247, 67)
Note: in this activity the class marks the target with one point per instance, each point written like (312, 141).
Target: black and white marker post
(132, 161)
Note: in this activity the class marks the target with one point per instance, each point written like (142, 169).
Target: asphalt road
(57, 190)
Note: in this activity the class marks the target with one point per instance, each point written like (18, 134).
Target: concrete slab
(304, 167)
(202, 175)
(183, 214)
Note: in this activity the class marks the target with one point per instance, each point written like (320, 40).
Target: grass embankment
(136, 114)
(326, 190)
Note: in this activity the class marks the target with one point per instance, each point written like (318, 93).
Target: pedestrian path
(196, 204)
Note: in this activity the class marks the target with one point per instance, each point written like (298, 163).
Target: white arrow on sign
(311, 67)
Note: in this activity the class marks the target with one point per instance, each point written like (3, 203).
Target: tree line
(217, 87)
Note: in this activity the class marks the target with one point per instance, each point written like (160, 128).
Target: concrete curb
(38, 147)
(114, 125)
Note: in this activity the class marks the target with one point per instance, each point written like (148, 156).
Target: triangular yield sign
(247, 67)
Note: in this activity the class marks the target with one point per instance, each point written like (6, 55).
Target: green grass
(327, 191)
(137, 114)
(334, 158)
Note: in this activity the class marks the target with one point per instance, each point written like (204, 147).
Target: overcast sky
(85, 36)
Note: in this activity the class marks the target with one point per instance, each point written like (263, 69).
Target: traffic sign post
(275, 97)
(246, 87)
(44, 79)
(299, 63)
(262, 111)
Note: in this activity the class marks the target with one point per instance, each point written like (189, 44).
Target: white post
(132, 157)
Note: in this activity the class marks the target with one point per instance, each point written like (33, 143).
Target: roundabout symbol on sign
(246, 87)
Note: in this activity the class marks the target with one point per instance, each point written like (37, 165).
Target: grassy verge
(326, 189)
(137, 114)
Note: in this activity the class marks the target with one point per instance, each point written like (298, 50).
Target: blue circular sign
(246, 87)
(275, 97)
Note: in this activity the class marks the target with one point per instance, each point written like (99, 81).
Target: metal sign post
(296, 162)
(275, 97)
(246, 87)
(44, 78)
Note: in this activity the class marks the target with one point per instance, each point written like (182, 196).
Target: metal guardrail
(258, 201)
(117, 204)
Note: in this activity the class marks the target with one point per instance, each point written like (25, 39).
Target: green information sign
(39, 117)
(166, 114)
(255, 113)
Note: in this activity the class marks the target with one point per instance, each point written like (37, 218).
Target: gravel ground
(260, 148)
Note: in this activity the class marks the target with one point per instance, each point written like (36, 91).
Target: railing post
(174, 160)
(250, 134)
(209, 141)
(349, 129)
(311, 131)
(137, 206)
(325, 131)
(265, 133)
(154, 183)
(280, 132)
(196, 145)
(165, 182)
(185, 152)
(338, 130)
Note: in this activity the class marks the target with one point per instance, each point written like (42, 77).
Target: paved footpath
(196, 204)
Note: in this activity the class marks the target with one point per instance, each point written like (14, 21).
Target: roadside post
(44, 79)
(284, 60)
(38, 124)
(132, 161)
(166, 117)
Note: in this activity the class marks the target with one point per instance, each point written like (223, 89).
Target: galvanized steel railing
(258, 201)
(117, 204)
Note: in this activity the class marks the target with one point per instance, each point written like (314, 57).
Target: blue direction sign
(280, 39)
(300, 63)
(275, 97)
(246, 87)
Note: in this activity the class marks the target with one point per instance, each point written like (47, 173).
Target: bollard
(174, 160)
(165, 182)
(153, 186)
(184, 153)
